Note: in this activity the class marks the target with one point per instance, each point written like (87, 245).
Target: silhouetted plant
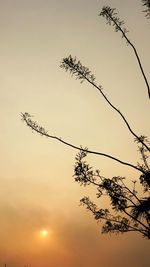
(129, 211)
(133, 212)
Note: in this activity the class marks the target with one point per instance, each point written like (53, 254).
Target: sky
(37, 190)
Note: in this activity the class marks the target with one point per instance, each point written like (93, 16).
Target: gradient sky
(37, 190)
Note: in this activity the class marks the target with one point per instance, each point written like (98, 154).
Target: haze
(37, 191)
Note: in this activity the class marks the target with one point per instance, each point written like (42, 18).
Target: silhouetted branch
(135, 218)
(83, 73)
(113, 224)
(110, 15)
(122, 200)
(35, 127)
(143, 153)
(142, 208)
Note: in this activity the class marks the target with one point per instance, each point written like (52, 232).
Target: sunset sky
(41, 222)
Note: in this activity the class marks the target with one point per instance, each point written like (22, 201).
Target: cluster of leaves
(77, 69)
(33, 124)
(146, 3)
(144, 152)
(111, 17)
(133, 212)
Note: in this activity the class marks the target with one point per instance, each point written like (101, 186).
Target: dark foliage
(129, 212)
(146, 3)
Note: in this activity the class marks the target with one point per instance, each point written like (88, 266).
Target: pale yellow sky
(37, 190)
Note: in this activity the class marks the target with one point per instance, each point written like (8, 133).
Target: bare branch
(35, 127)
(110, 15)
(83, 73)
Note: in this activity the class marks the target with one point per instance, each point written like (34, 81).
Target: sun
(44, 233)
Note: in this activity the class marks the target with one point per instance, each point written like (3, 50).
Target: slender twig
(79, 148)
(134, 195)
(133, 218)
(132, 227)
(118, 222)
(66, 61)
(144, 157)
(134, 49)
